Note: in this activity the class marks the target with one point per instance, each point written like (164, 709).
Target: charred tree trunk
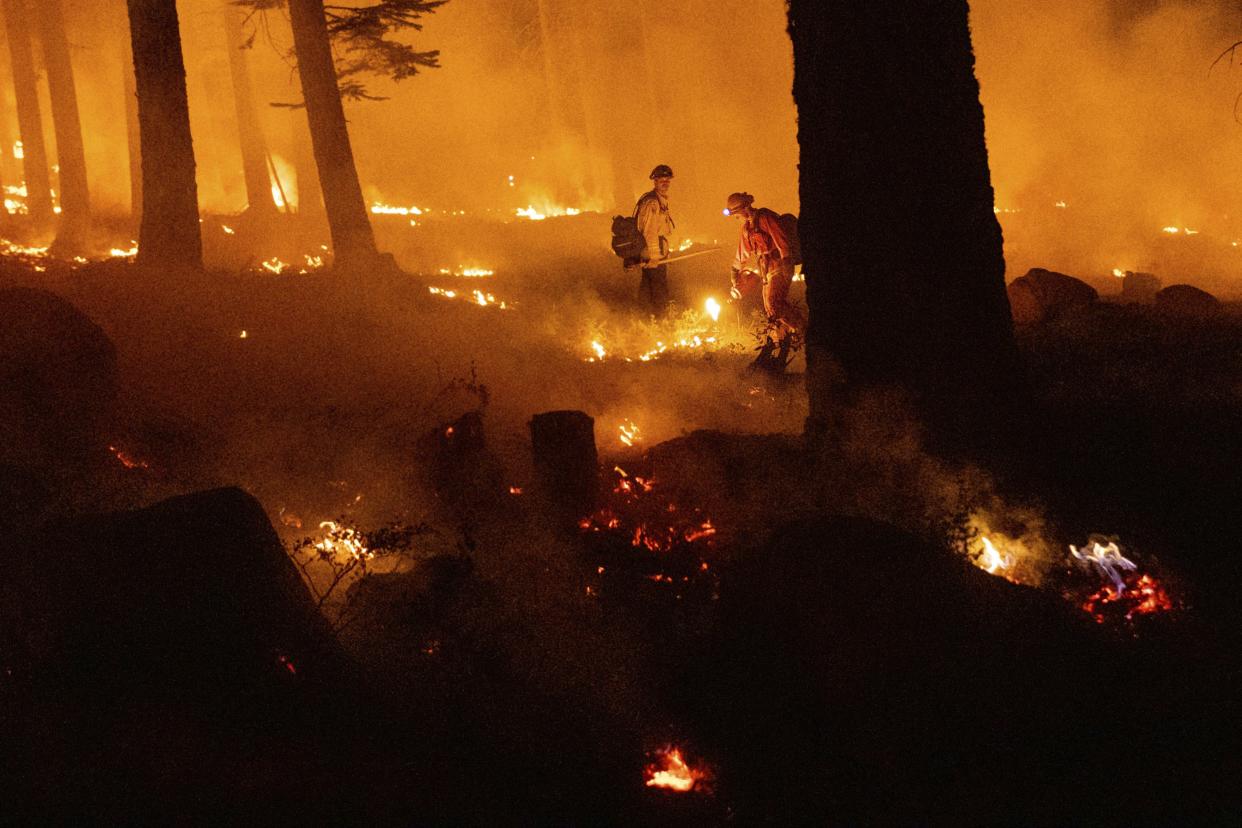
(29, 118)
(250, 132)
(133, 135)
(75, 200)
(169, 233)
(902, 249)
(353, 240)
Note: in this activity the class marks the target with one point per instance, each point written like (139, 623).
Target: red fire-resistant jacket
(762, 236)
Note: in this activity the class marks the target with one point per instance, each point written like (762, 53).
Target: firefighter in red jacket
(765, 255)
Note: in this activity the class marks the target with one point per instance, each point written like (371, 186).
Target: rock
(1189, 301)
(173, 651)
(1139, 286)
(1044, 294)
(58, 377)
(198, 586)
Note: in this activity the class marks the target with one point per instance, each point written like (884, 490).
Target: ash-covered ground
(804, 627)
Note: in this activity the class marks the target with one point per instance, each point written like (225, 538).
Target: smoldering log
(566, 462)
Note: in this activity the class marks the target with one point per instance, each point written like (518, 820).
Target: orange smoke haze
(1104, 123)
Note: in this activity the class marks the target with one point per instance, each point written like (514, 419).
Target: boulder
(58, 376)
(1189, 301)
(862, 674)
(1137, 286)
(1044, 294)
(175, 653)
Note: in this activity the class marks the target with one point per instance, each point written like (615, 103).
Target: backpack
(789, 223)
(627, 242)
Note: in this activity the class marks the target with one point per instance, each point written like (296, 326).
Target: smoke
(1109, 110)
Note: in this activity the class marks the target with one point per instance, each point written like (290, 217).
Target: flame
(629, 433)
(228, 231)
(1119, 273)
(1107, 558)
(600, 353)
(387, 210)
(713, 308)
(15, 249)
(476, 297)
(533, 214)
(672, 772)
(685, 245)
(19, 151)
(343, 539)
(992, 561)
(118, 253)
(275, 265)
(467, 272)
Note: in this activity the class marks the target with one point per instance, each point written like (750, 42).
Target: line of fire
(483, 412)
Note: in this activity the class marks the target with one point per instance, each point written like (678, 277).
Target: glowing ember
(1145, 596)
(243, 335)
(713, 309)
(672, 772)
(118, 253)
(343, 539)
(228, 231)
(128, 460)
(1119, 273)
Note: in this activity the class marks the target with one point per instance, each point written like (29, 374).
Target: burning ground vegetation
(720, 624)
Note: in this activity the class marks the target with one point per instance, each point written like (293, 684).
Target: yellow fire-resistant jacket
(656, 225)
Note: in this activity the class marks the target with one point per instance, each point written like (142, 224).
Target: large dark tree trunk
(902, 249)
(29, 118)
(75, 202)
(169, 233)
(353, 241)
(133, 136)
(253, 147)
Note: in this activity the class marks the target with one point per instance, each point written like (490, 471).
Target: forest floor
(523, 673)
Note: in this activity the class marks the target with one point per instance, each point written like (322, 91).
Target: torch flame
(713, 308)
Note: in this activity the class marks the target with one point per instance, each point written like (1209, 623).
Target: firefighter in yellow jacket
(656, 225)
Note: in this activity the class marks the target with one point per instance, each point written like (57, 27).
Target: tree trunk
(169, 233)
(75, 201)
(29, 118)
(902, 249)
(253, 146)
(353, 240)
(133, 135)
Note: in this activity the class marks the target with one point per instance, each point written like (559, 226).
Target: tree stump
(566, 463)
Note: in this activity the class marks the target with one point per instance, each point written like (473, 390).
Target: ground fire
(619, 413)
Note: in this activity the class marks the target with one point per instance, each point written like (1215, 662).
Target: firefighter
(656, 225)
(766, 256)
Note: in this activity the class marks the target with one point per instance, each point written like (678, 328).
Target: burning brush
(670, 772)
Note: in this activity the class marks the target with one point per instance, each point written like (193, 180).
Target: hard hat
(662, 171)
(738, 201)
